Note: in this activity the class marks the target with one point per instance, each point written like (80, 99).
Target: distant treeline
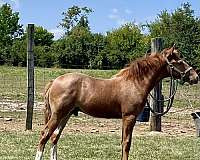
(80, 48)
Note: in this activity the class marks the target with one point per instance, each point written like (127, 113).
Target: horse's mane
(139, 68)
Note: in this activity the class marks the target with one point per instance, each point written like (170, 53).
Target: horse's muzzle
(194, 80)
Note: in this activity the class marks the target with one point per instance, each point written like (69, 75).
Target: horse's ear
(168, 52)
(173, 47)
(171, 50)
(198, 71)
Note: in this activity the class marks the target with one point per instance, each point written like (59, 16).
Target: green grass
(89, 146)
(13, 84)
(13, 80)
(17, 144)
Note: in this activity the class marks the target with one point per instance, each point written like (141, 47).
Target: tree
(96, 52)
(182, 28)
(77, 46)
(78, 37)
(9, 31)
(43, 41)
(75, 16)
(18, 52)
(125, 44)
(42, 37)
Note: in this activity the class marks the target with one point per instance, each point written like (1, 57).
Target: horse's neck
(155, 76)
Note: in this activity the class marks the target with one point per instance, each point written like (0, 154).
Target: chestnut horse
(123, 96)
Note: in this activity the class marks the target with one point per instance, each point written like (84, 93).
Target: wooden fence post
(30, 76)
(155, 124)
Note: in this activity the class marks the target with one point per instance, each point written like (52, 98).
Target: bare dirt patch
(171, 126)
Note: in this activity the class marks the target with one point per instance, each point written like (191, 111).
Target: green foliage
(125, 44)
(42, 40)
(18, 52)
(182, 28)
(80, 48)
(43, 56)
(75, 16)
(42, 50)
(97, 53)
(42, 37)
(9, 30)
(75, 48)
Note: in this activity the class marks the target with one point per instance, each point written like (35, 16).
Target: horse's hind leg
(47, 132)
(56, 135)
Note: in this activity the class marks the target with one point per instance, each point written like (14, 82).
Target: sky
(107, 15)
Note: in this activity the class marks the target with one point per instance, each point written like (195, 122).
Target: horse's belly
(102, 111)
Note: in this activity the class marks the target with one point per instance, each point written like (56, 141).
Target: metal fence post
(155, 124)
(30, 76)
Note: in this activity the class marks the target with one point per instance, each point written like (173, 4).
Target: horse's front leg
(127, 129)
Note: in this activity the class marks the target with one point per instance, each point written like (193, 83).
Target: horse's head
(178, 68)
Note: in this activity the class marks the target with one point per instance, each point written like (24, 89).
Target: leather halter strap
(182, 73)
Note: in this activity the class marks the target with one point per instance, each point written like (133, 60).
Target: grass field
(13, 80)
(87, 138)
(15, 146)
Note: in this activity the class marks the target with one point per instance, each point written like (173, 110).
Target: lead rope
(170, 99)
(172, 92)
(173, 89)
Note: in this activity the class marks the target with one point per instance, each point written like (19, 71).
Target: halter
(173, 88)
(174, 68)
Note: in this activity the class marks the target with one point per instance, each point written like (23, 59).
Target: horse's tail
(47, 109)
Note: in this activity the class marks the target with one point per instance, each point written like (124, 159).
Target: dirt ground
(86, 124)
(178, 122)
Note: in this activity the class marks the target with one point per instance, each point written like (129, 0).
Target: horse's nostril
(195, 81)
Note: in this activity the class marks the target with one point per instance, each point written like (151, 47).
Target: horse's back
(65, 88)
(97, 97)
(74, 86)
